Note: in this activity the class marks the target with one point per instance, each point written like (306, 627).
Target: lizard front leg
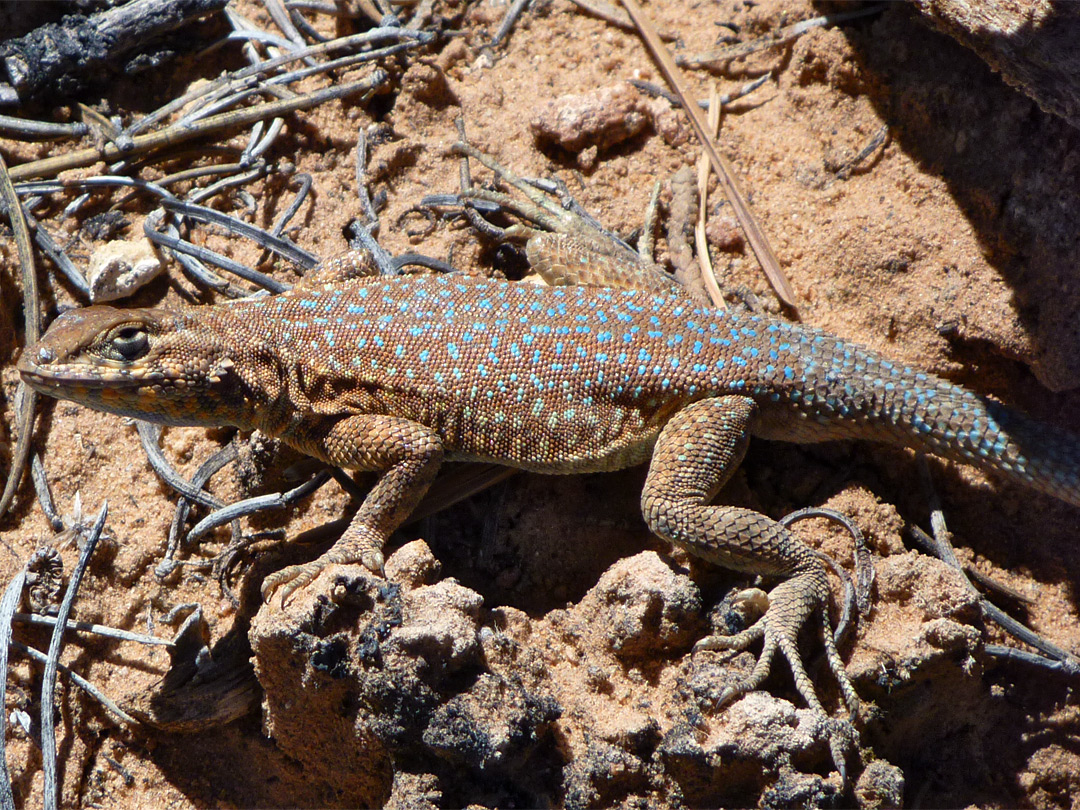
(696, 453)
(409, 454)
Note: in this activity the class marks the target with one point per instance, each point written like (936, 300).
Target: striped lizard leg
(408, 453)
(563, 259)
(695, 455)
(346, 266)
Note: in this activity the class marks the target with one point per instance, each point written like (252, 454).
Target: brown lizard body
(398, 375)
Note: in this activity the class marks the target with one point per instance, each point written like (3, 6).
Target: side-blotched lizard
(397, 375)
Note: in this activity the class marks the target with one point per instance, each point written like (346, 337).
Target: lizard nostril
(46, 355)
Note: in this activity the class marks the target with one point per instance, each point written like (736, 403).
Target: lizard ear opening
(127, 343)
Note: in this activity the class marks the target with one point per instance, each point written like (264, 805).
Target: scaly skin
(397, 375)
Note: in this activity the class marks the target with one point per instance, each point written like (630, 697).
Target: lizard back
(574, 379)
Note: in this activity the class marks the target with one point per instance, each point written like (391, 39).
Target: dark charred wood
(59, 58)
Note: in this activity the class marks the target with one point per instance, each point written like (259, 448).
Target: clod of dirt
(757, 736)
(426, 81)
(600, 118)
(760, 727)
(670, 123)
(880, 786)
(413, 565)
(644, 608)
(724, 234)
(378, 678)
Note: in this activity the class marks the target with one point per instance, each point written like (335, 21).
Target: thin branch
(25, 397)
(708, 273)
(12, 594)
(758, 241)
(48, 684)
(79, 681)
(783, 37)
(215, 124)
(90, 627)
(258, 503)
(27, 130)
(150, 436)
(616, 16)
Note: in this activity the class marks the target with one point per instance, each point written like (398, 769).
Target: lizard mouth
(57, 380)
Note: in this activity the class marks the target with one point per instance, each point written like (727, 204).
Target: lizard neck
(251, 392)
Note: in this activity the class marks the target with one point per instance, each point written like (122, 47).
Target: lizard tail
(996, 438)
(928, 413)
(844, 391)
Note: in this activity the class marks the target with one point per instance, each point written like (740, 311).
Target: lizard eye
(129, 343)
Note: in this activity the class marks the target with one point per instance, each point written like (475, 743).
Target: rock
(757, 735)
(1032, 44)
(644, 607)
(379, 690)
(880, 786)
(118, 269)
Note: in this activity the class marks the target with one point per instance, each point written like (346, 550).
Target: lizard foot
(291, 579)
(790, 605)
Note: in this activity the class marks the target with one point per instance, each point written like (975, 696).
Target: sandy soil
(536, 647)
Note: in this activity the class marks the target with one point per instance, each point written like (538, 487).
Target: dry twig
(215, 124)
(48, 680)
(724, 171)
(25, 397)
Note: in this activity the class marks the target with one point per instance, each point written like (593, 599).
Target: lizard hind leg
(696, 453)
(343, 267)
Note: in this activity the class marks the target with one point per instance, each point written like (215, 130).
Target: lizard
(397, 375)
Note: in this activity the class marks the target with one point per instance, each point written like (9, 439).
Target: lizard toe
(780, 635)
(289, 580)
(373, 560)
(843, 738)
(790, 606)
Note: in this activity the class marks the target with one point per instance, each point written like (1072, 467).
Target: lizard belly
(544, 438)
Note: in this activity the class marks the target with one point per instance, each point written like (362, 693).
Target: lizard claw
(787, 610)
(289, 580)
(374, 561)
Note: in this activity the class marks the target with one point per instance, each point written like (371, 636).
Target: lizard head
(153, 364)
